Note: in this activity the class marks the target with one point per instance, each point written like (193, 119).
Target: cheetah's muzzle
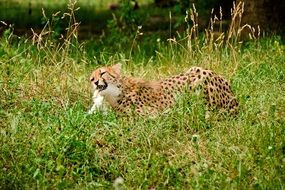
(102, 87)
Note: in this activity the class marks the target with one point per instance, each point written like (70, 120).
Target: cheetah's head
(105, 79)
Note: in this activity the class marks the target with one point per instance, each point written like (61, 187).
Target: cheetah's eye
(103, 73)
(92, 79)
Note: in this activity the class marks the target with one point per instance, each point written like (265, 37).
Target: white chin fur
(111, 90)
(111, 94)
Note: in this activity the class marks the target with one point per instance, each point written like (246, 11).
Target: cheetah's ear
(117, 68)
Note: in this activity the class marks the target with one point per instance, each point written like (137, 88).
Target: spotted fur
(130, 95)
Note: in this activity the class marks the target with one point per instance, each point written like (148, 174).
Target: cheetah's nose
(96, 83)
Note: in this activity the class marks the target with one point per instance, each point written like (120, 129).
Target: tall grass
(48, 141)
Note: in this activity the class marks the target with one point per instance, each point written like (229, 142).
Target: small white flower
(119, 181)
(195, 138)
(270, 147)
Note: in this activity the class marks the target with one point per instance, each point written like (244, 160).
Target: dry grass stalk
(45, 42)
(217, 37)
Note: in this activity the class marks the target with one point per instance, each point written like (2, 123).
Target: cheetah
(130, 95)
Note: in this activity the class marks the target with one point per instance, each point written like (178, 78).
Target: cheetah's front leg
(97, 103)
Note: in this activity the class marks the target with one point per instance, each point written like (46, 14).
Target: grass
(48, 141)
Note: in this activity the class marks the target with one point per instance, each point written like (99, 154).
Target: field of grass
(48, 142)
